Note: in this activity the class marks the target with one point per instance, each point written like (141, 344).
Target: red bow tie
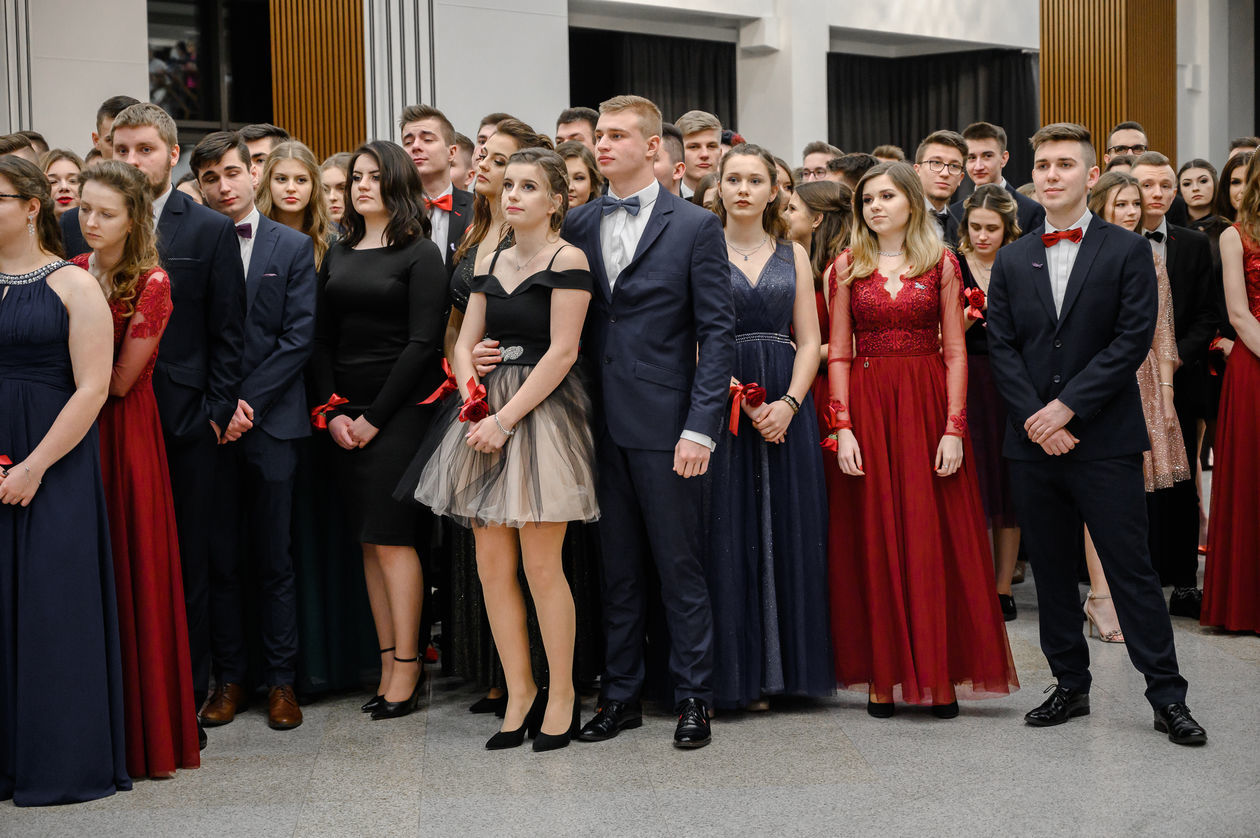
(1051, 239)
(443, 203)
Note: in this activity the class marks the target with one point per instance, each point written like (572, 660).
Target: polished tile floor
(803, 768)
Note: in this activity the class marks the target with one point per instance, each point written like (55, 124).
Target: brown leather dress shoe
(224, 703)
(283, 712)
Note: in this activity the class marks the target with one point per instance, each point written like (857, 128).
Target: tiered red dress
(1231, 582)
(912, 608)
(157, 669)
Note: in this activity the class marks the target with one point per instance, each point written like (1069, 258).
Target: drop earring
(30, 225)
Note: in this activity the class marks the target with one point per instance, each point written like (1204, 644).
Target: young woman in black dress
(378, 346)
(519, 474)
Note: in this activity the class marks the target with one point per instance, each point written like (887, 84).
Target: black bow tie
(943, 218)
(1155, 235)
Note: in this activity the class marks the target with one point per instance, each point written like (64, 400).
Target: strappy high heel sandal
(1113, 636)
(376, 700)
(398, 709)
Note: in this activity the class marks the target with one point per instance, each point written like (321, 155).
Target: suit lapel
(1041, 282)
(264, 244)
(656, 223)
(1090, 246)
(596, 255)
(1172, 253)
(461, 214)
(170, 220)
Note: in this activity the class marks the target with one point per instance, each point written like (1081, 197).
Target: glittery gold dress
(1165, 464)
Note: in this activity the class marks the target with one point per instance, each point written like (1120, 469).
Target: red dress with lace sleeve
(157, 688)
(914, 612)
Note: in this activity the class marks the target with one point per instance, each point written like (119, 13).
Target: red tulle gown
(1231, 582)
(157, 669)
(912, 608)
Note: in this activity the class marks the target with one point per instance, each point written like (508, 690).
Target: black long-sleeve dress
(378, 345)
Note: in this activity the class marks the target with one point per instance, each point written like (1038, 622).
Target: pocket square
(1037, 265)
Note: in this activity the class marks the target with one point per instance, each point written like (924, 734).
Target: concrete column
(781, 77)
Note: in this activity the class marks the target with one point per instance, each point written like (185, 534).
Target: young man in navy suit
(429, 137)
(258, 456)
(663, 289)
(1071, 316)
(986, 158)
(198, 372)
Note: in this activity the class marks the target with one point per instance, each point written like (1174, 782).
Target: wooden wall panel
(1107, 61)
(317, 72)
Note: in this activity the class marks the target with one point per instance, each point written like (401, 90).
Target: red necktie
(1051, 239)
(443, 203)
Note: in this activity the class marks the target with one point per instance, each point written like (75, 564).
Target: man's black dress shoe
(1059, 707)
(1176, 721)
(1007, 603)
(201, 737)
(693, 724)
(1186, 602)
(611, 717)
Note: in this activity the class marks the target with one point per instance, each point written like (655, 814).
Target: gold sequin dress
(1165, 464)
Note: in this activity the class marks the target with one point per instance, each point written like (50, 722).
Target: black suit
(197, 379)
(1030, 214)
(460, 217)
(1193, 278)
(1087, 356)
(71, 234)
(254, 478)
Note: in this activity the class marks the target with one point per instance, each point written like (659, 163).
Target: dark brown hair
(985, 131)
(835, 202)
(771, 218)
(30, 182)
(555, 174)
(415, 113)
(525, 137)
(573, 149)
(990, 196)
(1223, 207)
(401, 193)
(946, 138)
(214, 147)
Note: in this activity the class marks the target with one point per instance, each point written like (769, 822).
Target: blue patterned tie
(630, 205)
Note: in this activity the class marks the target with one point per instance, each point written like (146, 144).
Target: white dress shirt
(685, 191)
(1062, 256)
(247, 244)
(1160, 248)
(159, 204)
(441, 220)
(619, 232)
(934, 216)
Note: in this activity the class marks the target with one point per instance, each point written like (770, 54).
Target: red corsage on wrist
(475, 408)
(447, 387)
(319, 415)
(957, 424)
(753, 393)
(974, 298)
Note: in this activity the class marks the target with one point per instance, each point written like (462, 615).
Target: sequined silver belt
(774, 336)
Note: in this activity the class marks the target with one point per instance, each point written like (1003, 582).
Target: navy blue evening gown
(766, 554)
(61, 691)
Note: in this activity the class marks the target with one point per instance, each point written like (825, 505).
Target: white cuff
(693, 436)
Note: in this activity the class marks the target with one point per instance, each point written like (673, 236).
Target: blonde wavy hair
(316, 222)
(924, 247)
(140, 254)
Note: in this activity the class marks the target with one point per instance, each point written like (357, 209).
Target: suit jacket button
(612, 320)
(1057, 379)
(1058, 343)
(607, 359)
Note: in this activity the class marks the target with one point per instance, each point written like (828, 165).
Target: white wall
(1215, 76)
(502, 55)
(81, 54)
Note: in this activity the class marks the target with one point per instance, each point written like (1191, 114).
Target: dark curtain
(902, 100)
(678, 74)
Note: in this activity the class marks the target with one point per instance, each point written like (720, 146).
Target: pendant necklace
(748, 253)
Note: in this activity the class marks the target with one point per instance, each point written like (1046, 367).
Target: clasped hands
(351, 433)
(1046, 428)
(771, 419)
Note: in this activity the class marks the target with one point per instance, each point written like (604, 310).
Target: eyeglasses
(814, 174)
(11, 195)
(1127, 149)
(939, 166)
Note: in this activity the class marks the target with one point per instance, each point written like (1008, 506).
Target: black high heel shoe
(377, 700)
(550, 741)
(486, 704)
(505, 739)
(398, 709)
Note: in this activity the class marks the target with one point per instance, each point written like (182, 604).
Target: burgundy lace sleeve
(953, 346)
(144, 332)
(840, 348)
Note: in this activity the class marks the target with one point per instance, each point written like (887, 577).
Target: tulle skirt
(544, 473)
